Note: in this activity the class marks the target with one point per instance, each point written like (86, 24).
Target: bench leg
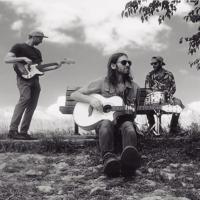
(76, 132)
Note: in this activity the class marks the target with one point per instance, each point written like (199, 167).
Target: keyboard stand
(157, 127)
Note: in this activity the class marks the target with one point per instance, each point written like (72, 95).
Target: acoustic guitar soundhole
(107, 108)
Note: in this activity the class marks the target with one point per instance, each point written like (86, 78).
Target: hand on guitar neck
(65, 61)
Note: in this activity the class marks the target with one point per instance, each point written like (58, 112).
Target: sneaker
(130, 161)
(26, 136)
(111, 165)
(13, 134)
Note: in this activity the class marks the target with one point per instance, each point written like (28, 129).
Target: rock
(187, 165)
(138, 172)
(99, 191)
(62, 166)
(117, 197)
(55, 197)
(101, 178)
(45, 189)
(99, 166)
(33, 173)
(72, 178)
(183, 184)
(152, 198)
(60, 192)
(92, 170)
(189, 179)
(198, 173)
(2, 165)
(150, 170)
(166, 176)
(150, 183)
(174, 165)
(12, 168)
(160, 160)
(159, 192)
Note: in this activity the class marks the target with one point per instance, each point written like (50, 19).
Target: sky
(89, 31)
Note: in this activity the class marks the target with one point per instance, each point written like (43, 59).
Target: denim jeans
(29, 94)
(110, 135)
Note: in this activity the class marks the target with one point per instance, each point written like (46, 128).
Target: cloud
(183, 7)
(50, 119)
(184, 71)
(100, 23)
(44, 119)
(17, 25)
(191, 114)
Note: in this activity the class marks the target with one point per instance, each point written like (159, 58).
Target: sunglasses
(124, 62)
(154, 63)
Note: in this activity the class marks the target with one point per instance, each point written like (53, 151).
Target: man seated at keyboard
(162, 80)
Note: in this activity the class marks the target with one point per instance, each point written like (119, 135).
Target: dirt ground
(170, 171)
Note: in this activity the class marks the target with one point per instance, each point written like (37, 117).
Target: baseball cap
(37, 34)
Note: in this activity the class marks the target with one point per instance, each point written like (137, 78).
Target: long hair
(112, 73)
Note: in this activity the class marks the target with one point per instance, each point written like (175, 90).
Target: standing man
(117, 82)
(29, 89)
(160, 79)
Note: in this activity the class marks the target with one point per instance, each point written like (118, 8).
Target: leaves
(165, 9)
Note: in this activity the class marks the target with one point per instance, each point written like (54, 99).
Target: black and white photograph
(100, 100)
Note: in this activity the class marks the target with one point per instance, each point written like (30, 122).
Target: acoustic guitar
(87, 117)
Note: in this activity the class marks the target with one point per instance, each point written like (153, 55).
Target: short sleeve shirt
(25, 50)
(161, 81)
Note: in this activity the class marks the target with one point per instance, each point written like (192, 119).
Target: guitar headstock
(67, 61)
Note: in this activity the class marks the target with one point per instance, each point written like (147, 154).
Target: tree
(165, 10)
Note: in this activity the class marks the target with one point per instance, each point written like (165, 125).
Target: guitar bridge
(90, 110)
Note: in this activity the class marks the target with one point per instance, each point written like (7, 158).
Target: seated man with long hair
(117, 82)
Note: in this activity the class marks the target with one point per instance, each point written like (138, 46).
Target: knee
(24, 99)
(128, 128)
(106, 124)
(178, 102)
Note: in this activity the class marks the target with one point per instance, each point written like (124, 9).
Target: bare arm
(80, 97)
(83, 95)
(11, 58)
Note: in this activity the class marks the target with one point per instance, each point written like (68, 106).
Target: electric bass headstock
(67, 61)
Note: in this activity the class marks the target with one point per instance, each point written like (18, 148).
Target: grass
(54, 141)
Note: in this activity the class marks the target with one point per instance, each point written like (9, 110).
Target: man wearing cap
(29, 89)
(160, 79)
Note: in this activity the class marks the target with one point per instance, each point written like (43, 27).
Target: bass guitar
(28, 71)
(87, 117)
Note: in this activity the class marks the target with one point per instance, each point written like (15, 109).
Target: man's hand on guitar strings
(96, 104)
(65, 61)
(130, 108)
(27, 60)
